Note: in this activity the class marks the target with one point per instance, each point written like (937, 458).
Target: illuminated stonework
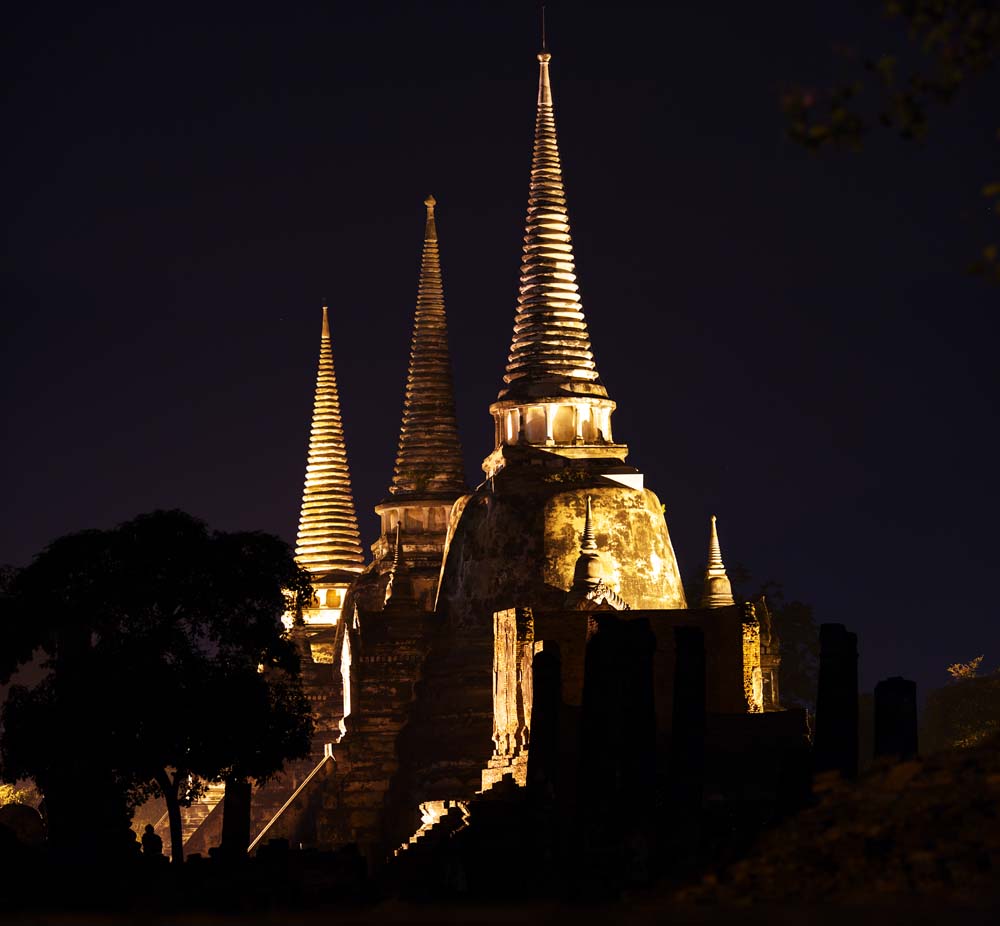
(553, 395)
(513, 650)
(717, 591)
(429, 471)
(753, 688)
(329, 543)
(589, 590)
(429, 461)
(513, 540)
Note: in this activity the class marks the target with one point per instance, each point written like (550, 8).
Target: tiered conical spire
(328, 541)
(717, 591)
(550, 351)
(429, 462)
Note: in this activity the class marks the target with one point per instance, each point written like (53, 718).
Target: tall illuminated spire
(328, 542)
(717, 591)
(552, 395)
(550, 351)
(429, 462)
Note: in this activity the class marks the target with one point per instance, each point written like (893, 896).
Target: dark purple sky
(790, 338)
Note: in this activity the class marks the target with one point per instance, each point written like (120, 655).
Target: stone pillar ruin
(835, 745)
(896, 718)
(543, 754)
(687, 744)
(617, 753)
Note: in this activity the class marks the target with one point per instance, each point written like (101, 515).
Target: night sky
(791, 338)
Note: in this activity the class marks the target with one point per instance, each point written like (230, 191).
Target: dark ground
(910, 843)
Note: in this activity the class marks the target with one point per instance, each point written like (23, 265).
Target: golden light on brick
(552, 393)
(329, 543)
(753, 688)
(429, 461)
(429, 474)
(717, 591)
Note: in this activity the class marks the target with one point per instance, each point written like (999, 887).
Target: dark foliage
(944, 45)
(963, 714)
(167, 668)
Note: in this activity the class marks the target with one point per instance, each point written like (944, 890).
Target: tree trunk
(236, 818)
(169, 789)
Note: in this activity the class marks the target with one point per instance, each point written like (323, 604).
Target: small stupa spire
(717, 591)
(589, 589)
(328, 539)
(587, 573)
(550, 350)
(398, 587)
(429, 460)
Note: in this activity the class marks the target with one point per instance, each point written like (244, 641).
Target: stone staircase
(191, 817)
(438, 821)
(460, 845)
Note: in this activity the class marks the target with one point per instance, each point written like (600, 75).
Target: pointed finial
(714, 550)
(326, 323)
(544, 87)
(587, 542)
(430, 229)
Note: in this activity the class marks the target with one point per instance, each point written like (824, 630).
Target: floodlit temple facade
(430, 667)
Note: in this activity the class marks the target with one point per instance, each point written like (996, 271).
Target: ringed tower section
(552, 395)
(554, 469)
(429, 474)
(329, 542)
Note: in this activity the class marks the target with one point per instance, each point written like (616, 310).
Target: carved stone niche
(514, 649)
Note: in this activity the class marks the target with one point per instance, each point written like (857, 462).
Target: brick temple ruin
(528, 640)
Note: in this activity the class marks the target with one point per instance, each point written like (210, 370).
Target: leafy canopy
(164, 651)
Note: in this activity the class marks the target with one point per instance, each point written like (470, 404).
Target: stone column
(896, 718)
(835, 745)
(617, 754)
(687, 742)
(543, 750)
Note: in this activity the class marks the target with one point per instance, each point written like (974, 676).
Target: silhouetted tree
(168, 668)
(944, 45)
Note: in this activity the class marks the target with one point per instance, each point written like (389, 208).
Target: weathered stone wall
(513, 695)
(731, 661)
(448, 739)
(387, 660)
(515, 540)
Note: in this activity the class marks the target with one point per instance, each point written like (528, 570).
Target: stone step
(440, 819)
(191, 817)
